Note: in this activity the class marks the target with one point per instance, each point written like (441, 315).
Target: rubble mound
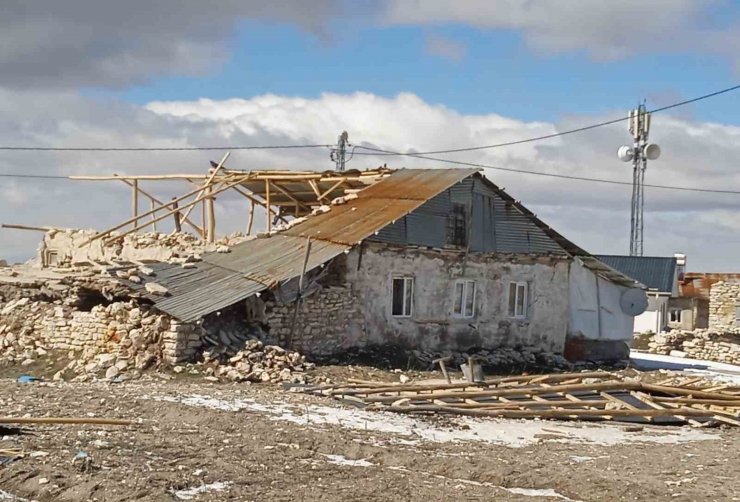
(257, 362)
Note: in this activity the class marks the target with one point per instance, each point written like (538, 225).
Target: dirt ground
(201, 441)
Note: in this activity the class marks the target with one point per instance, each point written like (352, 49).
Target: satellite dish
(633, 302)
(652, 151)
(626, 154)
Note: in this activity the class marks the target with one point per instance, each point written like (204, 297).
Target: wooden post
(178, 224)
(135, 202)
(211, 215)
(267, 199)
(154, 219)
(251, 219)
(299, 296)
(204, 217)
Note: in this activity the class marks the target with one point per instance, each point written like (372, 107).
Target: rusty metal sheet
(698, 284)
(416, 184)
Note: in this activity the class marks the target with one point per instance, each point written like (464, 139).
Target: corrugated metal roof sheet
(657, 273)
(223, 279)
(379, 205)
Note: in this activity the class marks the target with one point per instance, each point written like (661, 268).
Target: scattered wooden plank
(76, 421)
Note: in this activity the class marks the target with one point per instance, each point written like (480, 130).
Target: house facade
(434, 260)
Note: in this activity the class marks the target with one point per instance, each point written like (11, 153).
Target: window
(464, 299)
(518, 300)
(674, 315)
(457, 225)
(52, 258)
(403, 292)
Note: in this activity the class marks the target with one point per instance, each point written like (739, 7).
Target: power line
(470, 164)
(563, 176)
(555, 135)
(159, 149)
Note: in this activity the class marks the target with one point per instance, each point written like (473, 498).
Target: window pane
(469, 298)
(457, 308)
(409, 293)
(521, 294)
(397, 296)
(512, 299)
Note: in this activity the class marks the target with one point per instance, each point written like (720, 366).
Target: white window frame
(523, 314)
(464, 300)
(407, 282)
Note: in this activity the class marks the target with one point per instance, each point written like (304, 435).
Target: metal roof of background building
(657, 273)
(223, 279)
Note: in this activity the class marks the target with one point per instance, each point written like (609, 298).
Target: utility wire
(482, 166)
(554, 135)
(159, 149)
(563, 176)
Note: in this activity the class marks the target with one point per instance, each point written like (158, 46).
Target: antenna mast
(338, 153)
(639, 154)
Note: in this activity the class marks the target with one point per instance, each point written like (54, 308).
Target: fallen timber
(562, 396)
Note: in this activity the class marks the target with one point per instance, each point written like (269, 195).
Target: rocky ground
(198, 440)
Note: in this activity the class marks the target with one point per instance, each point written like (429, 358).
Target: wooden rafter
(173, 203)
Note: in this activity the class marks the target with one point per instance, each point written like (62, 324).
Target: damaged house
(434, 260)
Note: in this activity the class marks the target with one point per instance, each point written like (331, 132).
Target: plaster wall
(432, 325)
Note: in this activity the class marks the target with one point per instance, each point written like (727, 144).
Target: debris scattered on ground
(567, 396)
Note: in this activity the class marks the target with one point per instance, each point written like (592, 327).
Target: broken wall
(61, 248)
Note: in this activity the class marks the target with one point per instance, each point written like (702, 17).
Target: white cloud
(606, 29)
(447, 48)
(595, 216)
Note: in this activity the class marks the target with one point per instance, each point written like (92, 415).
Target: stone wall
(323, 320)
(724, 298)
(123, 334)
(698, 344)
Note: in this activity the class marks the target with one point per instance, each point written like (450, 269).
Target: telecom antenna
(639, 153)
(338, 153)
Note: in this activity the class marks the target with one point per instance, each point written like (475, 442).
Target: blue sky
(498, 73)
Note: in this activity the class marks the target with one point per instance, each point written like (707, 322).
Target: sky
(401, 75)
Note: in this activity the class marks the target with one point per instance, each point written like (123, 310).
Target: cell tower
(337, 154)
(639, 154)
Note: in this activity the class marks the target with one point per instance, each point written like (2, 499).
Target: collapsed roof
(223, 279)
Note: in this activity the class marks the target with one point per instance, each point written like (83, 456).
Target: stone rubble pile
(705, 344)
(258, 362)
(72, 250)
(123, 338)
